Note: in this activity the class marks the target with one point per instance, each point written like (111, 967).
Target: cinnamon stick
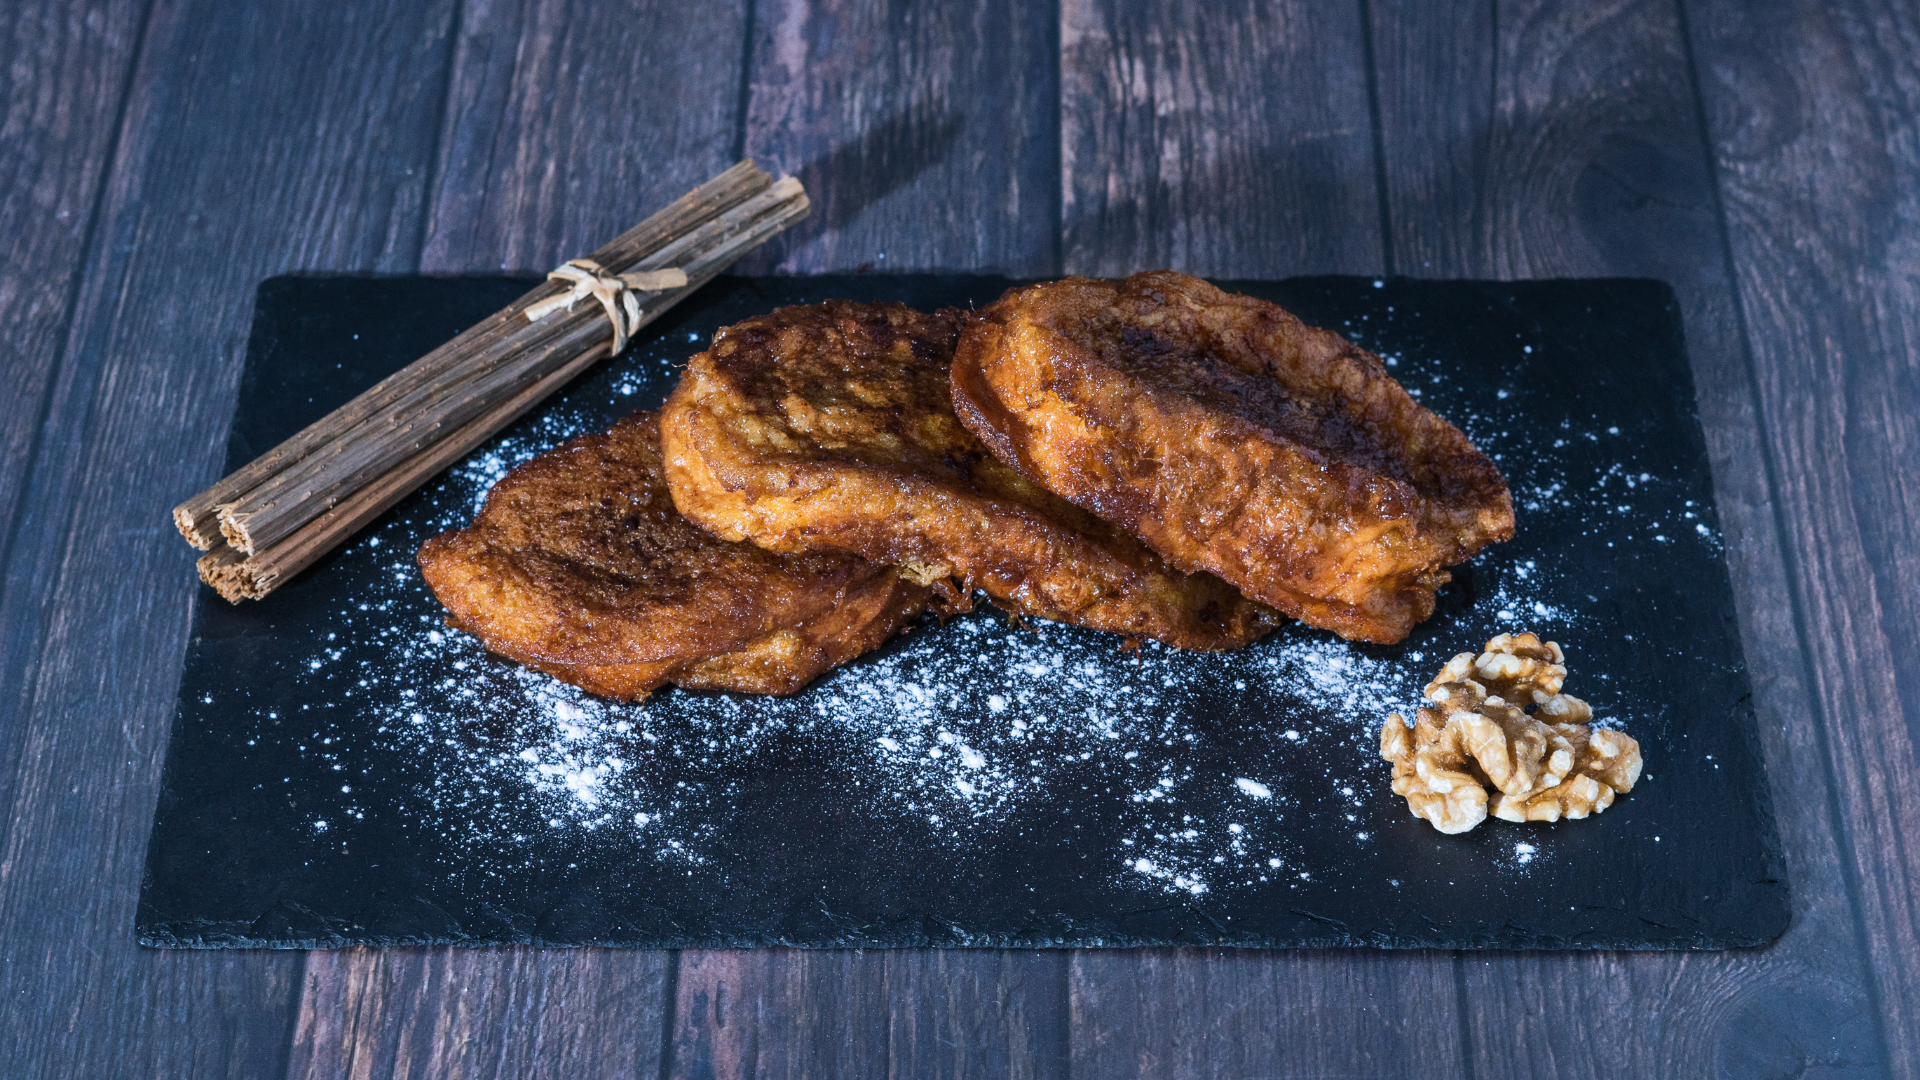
(272, 519)
(421, 417)
(197, 518)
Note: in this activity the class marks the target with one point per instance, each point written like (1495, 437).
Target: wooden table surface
(159, 157)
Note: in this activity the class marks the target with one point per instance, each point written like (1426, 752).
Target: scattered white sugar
(1182, 881)
(516, 754)
(483, 470)
(963, 726)
(963, 729)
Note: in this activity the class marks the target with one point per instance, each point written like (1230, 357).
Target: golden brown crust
(1235, 439)
(829, 427)
(781, 662)
(580, 566)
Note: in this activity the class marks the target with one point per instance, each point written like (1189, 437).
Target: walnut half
(1475, 734)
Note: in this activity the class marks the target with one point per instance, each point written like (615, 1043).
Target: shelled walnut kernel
(1476, 735)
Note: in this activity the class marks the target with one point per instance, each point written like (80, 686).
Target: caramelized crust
(829, 428)
(781, 662)
(580, 566)
(1233, 439)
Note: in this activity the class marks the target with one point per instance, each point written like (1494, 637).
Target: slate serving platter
(344, 770)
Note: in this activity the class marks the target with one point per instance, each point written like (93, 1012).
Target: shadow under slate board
(344, 769)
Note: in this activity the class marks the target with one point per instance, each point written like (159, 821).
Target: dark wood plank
(1226, 1013)
(63, 88)
(372, 1014)
(567, 123)
(919, 1013)
(1230, 139)
(1529, 139)
(1234, 140)
(1814, 115)
(925, 135)
(259, 138)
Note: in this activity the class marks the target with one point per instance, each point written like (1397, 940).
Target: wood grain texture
(374, 1014)
(1226, 139)
(566, 124)
(240, 158)
(570, 121)
(1520, 140)
(1234, 140)
(60, 99)
(1527, 139)
(1814, 117)
(925, 134)
(1229, 1013)
(905, 1013)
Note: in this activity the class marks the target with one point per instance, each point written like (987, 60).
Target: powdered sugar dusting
(1186, 774)
(960, 726)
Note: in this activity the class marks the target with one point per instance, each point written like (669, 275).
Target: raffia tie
(614, 291)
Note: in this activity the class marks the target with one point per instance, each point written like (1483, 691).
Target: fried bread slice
(780, 662)
(829, 428)
(1234, 439)
(579, 565)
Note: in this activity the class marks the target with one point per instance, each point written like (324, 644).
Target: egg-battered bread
(1233, 439)
(580, 566)
(830, 428)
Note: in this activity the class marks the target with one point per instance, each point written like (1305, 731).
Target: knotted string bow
(614, 291)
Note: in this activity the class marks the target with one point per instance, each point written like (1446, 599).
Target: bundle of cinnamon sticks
(275, 516)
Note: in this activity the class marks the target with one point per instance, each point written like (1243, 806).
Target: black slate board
(343, 770)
